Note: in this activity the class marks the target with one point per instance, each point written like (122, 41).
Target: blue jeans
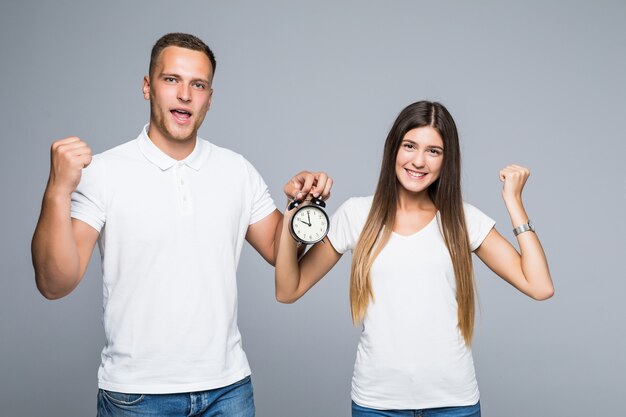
(464, 411)
(234, 400)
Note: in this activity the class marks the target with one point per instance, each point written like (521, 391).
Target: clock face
(309, 224)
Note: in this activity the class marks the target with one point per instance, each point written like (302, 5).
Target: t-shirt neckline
(428, 225)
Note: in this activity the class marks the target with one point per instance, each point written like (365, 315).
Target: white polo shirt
(412, 354)
(171, 234)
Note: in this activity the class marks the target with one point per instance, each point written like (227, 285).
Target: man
(170, 212)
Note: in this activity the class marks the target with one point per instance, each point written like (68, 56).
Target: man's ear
(146, 87)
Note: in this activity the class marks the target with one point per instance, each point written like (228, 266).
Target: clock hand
(308, 224)
(309, 214)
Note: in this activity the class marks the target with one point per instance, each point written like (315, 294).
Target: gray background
(535, 83)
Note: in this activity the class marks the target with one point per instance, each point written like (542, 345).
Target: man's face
(179, 90)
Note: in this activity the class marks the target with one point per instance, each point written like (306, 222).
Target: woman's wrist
(516, 210)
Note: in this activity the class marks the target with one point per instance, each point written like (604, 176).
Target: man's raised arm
(62, 246)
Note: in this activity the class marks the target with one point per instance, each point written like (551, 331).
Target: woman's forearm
(533, 259)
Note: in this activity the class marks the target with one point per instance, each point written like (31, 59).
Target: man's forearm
(54, 251)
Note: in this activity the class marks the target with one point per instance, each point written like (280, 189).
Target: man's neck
(175, 149)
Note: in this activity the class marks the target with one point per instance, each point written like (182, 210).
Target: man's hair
(182, 40)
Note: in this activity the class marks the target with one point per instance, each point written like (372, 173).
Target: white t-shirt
(411, 354)
(171, 234)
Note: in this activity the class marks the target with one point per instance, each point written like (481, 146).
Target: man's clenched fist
(68, 157)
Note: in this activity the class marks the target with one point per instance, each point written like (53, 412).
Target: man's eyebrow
(204, 80)
(174, 75)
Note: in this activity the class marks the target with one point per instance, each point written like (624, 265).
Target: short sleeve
(88, 198)
(262, 203)
(478, 225)
(347, 223)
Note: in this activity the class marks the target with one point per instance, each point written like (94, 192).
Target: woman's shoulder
(357, 205)
(471, 210)
(478, 224)
(353, 211)
(360, 201)
(348, 221)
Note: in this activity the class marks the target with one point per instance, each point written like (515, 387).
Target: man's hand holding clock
(316, 184)
(305, 216)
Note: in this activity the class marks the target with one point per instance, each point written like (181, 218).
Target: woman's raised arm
(527, 271)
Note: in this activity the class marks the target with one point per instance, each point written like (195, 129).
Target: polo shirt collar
(194, 160)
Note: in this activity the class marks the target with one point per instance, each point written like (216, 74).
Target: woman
(411, 281)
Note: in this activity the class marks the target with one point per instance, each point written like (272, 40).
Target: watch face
(309, 224)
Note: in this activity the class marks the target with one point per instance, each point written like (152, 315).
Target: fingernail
(316, 195)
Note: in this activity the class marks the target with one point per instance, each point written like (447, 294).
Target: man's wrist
(54, 195)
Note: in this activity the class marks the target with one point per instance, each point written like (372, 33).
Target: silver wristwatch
(524, 228)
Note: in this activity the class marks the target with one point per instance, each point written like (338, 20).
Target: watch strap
(527, 227)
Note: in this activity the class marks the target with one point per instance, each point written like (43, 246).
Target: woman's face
(419, 159)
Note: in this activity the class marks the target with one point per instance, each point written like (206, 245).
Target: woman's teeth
(415, 174)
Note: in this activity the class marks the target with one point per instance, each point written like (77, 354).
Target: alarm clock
(309, 224)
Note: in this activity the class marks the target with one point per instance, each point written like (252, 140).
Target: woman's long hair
(445, 193)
